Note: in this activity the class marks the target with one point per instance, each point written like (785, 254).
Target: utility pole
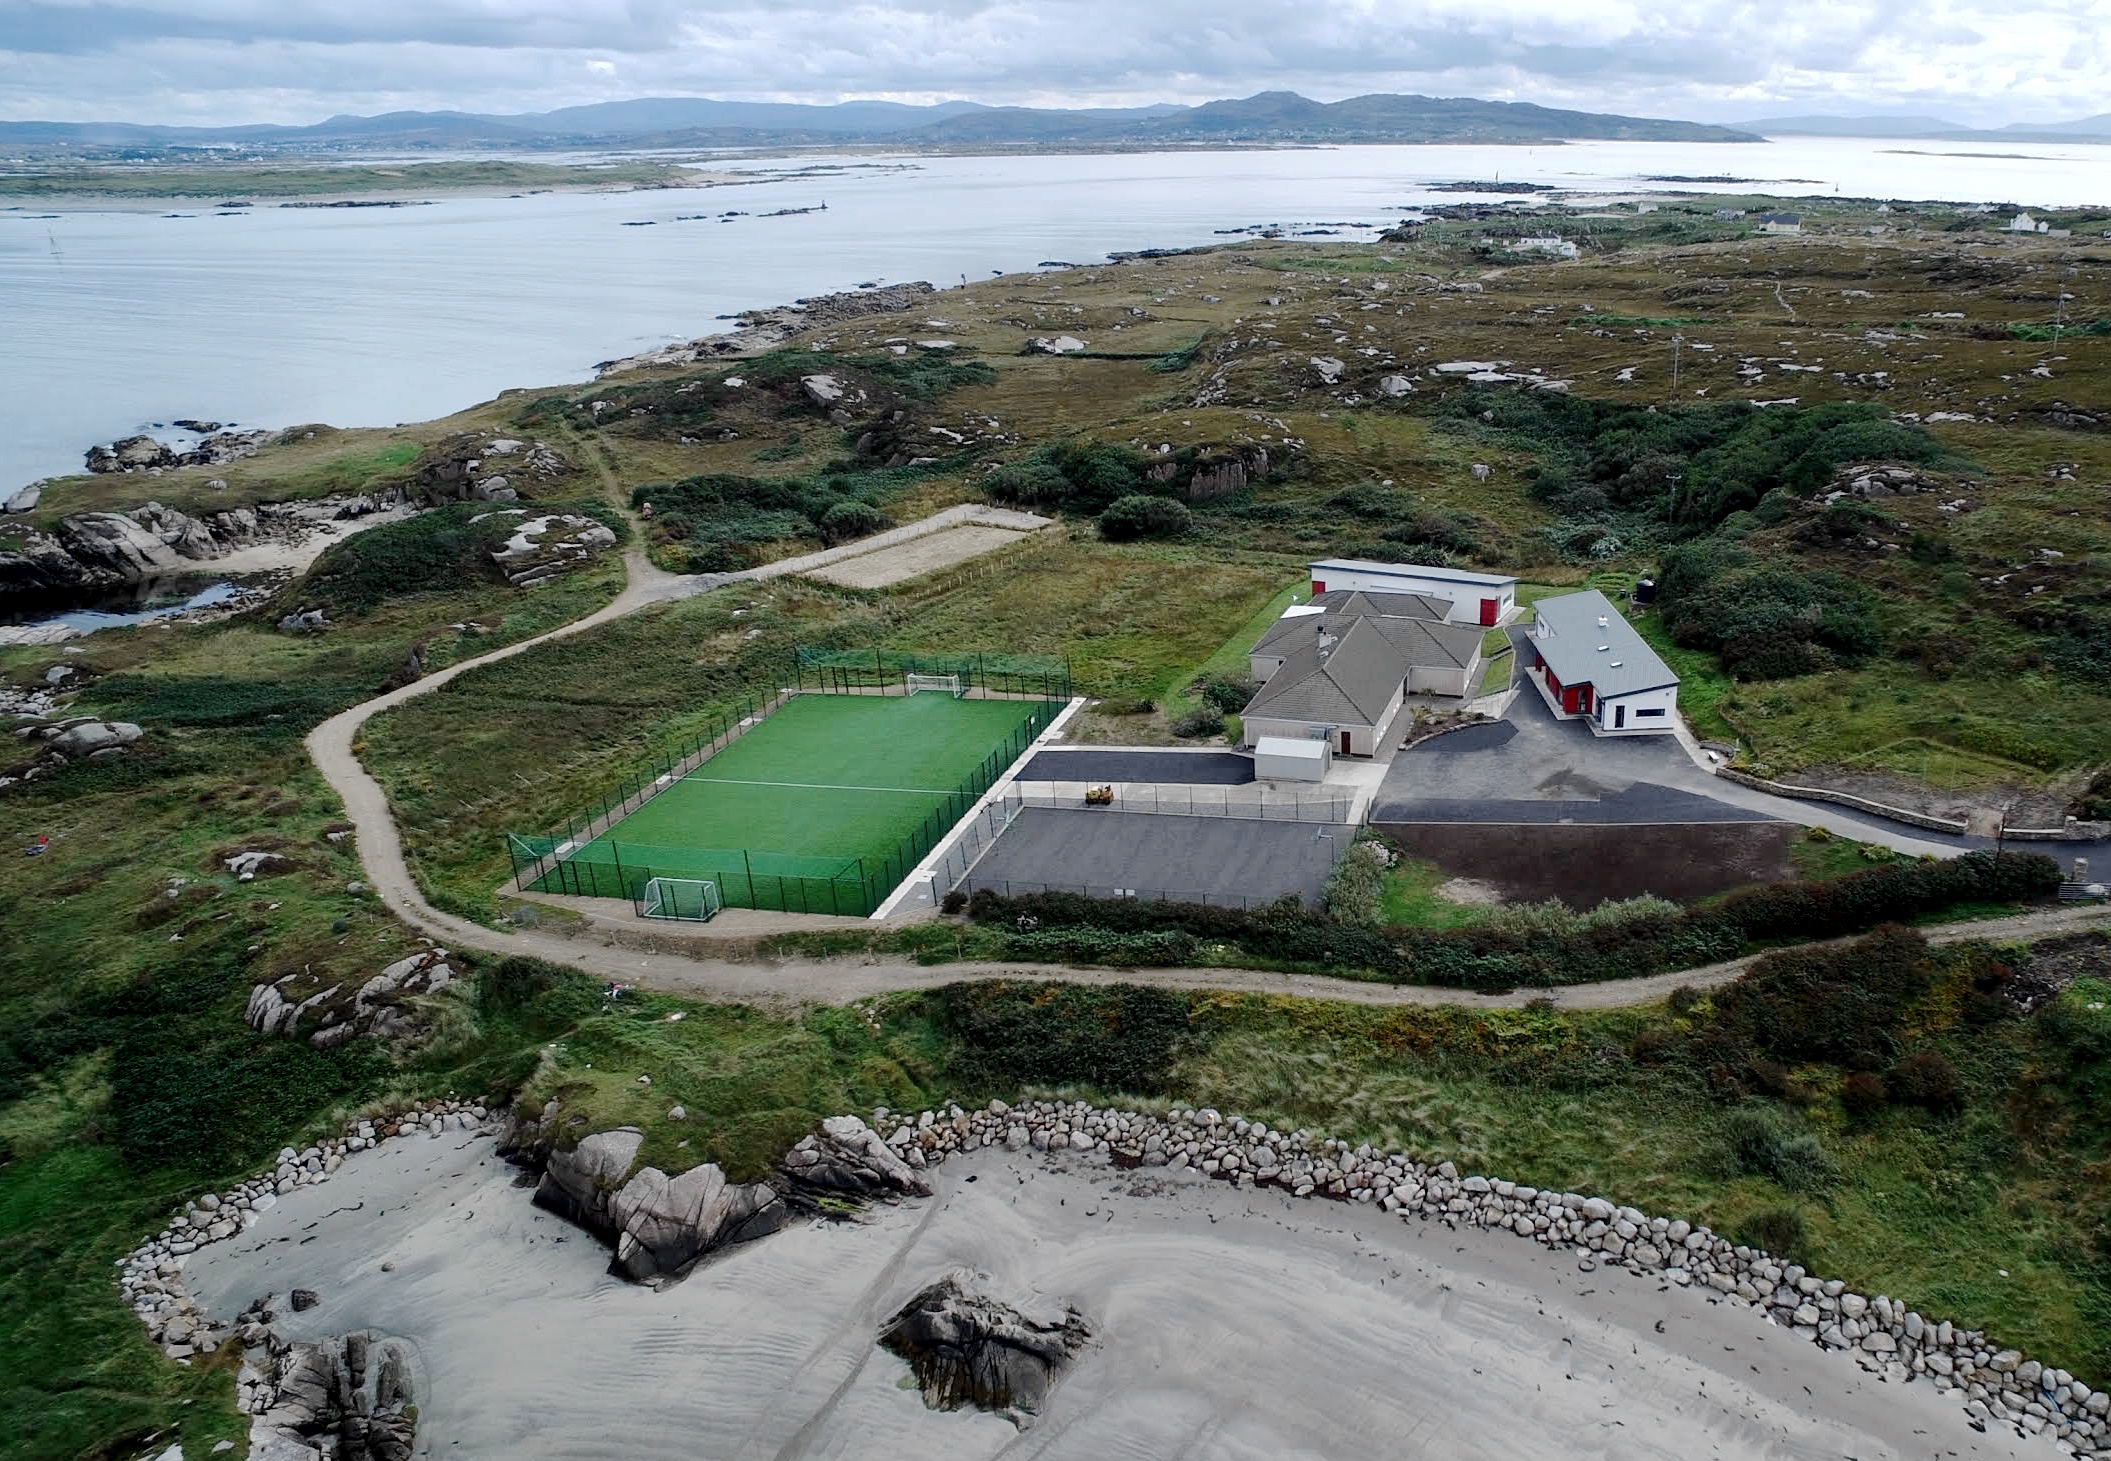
(1677, 340)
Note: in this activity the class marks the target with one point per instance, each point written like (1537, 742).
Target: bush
(1925, 1078)
(1142, 516)
(1774, 1230)
(1208, 721)
(1356, 890)
(1006, 1037)
(850, 519)
(1074, 475)
(1863, 1094)
(1228, 693)
(1760, 1145)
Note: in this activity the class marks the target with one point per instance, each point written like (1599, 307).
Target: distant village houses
(1551, 245)
(1728, 215)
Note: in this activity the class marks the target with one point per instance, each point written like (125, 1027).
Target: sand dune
(1229, 1324)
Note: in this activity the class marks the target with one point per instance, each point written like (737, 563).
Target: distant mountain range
(2084, 129)
(1270, 117)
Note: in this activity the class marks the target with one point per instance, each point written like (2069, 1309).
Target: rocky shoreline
(661, 1226)
(758, 330)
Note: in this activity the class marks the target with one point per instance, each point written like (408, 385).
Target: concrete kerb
(918, 885)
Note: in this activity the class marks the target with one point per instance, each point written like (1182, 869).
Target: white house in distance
(1589, 664)
(1553, 245)
(1476, 598)
(1780, 223)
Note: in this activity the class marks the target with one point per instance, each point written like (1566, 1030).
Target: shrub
(1141, 516)
(1863, 1094)
(850, 519)
(1925, 1078)
(1208, 721)
(1228, 693)
(1007, 1036)
(1760, 1145)
(1356, 890)
(1775, 1230)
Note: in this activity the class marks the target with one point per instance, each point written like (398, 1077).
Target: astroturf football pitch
(821, 783)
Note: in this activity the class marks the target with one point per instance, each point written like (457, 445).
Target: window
(1648, 712)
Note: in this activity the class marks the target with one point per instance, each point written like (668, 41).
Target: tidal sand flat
(1227, 1323)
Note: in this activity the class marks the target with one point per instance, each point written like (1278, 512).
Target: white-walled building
(1476, 598)
(1780, 223)
(1343, 688)
(1589, 664)
(1553, 245)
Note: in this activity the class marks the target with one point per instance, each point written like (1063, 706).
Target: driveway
(1530, 767)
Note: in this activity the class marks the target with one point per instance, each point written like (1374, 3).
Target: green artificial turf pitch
(824, 782)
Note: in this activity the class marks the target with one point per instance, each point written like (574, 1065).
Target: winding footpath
(844, 981)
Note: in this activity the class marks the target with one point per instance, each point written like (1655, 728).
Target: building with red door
(1588, 663)
(1475, 598)
(1344, 684)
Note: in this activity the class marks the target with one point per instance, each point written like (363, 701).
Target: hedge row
(1044, 925)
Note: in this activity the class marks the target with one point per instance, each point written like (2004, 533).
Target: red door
(1344, 743)
(1489, 609)
(1318, 587)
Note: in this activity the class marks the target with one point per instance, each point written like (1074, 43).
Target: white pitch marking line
(816, 786)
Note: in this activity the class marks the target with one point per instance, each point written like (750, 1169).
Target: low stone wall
(1883, 1335)
(1843, 799)
(2075, 830)
(151, 1277)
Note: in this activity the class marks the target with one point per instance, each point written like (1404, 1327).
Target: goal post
(690, 900)
(951, 684)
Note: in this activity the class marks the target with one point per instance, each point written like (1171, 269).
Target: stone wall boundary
(1844, 799)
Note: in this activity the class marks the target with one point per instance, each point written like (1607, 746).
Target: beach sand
(1227, 1324)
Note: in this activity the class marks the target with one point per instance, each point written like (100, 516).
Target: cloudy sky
(223, 61)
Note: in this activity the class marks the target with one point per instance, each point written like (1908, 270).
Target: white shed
(1285, 758)
(1476, 598)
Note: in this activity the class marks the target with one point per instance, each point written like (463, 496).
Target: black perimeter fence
(578, 858)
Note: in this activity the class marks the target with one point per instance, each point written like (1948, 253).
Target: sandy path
(1228, 1324)
(844, 981)
(924, 555)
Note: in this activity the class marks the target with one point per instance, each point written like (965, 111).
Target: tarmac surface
(1223, 860)
(1167, 768)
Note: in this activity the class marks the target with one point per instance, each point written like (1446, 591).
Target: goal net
(948, 683)
(688, 899)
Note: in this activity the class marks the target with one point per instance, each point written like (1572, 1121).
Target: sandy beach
(1237, 1324)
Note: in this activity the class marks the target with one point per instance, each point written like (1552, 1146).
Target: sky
(212, 62)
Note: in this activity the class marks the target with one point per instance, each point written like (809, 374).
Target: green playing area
(822, 806)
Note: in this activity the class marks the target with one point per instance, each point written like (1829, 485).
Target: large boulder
(666, 1223)
(577, 1183)
(86, 737)
(848, 1158)
(543, 547)
(350, 1399)
(113, 548)
(968, 1347)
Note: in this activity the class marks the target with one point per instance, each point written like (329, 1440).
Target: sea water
(115, 319)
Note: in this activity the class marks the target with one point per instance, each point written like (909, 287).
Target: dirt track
(844, 981)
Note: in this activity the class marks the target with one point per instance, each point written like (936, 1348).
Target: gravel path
(794, 982)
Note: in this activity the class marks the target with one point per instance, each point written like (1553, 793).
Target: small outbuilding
(1282, 758)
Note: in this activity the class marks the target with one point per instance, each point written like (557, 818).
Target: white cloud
(267, 60)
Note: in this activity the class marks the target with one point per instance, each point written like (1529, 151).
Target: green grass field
(826, 791)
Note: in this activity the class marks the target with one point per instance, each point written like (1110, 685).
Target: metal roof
(1350, 680)
(1303, 750)
(1420, 643)
(1611, 658)
(1413, 570)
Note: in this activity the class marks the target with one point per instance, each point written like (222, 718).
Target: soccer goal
(949, 683)
(688, 899)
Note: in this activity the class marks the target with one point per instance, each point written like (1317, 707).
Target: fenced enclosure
(805, 803)
(683, 899)
(1226, 863)
(993, 675)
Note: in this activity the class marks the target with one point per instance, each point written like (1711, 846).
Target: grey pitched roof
(1418, 642)
(1349, 681)
(1416, 570)
(1396, 606)
(1613, 659)
(1432, 646)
